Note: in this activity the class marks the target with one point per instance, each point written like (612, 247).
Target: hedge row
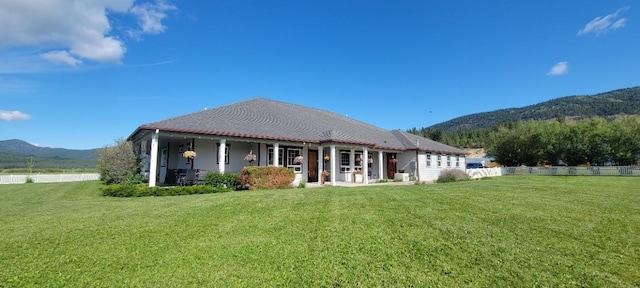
(269, 177)
(142, 190)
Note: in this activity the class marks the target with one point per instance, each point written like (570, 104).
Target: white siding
(432, 172)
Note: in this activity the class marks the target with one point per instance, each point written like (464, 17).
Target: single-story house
(318, 145)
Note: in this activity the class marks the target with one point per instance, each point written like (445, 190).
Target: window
(280, 155)
(357, 164)
(457, 161)
(448, 161)
(428, 160)
(226, 154)
(292, 153)
(345, 166)
(439, 161)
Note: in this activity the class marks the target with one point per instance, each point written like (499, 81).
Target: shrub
(270, 177)
(224, 180)
(29, 180)
(118, 164)
(452, 175)
(142, 190)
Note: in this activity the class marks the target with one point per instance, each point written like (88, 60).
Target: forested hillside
(19, 154)
(608, 104)
(473, 131)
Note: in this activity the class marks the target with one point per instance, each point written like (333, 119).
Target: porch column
(221, 159)
(380, 165)
(320, 163)
(276, 154)
(153, 165)
(365, 164)
(333, 164)
(352, 161)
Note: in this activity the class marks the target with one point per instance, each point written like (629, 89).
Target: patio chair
(200, 176)
(189, 178)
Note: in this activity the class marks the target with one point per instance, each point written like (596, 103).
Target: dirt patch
(476, 152)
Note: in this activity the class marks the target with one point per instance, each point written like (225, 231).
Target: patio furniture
(189, 178)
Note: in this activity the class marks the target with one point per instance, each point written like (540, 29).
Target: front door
(312, 166)
(391, 165)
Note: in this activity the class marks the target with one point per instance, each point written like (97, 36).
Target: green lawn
(513, 231)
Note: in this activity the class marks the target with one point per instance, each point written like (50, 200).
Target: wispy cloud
(61, 57)
(560, 68)
(72, 33)
(149, 16)
(13, 115)
(155, 64)
(9, 86)
(602, 24)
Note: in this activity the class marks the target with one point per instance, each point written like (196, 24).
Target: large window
(439, 161)
(358, 164)
(345, 165)
(280, 155)
(428, 160)
(448, 160)
(292, 153)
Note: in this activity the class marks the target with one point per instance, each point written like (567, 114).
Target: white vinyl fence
(48, 178)
(561, 170)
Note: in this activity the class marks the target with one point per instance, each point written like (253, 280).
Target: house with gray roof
(318, 145)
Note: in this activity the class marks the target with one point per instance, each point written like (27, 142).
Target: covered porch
(164, 161)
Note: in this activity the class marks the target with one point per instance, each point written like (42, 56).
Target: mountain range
(609, 104)
(16, 153)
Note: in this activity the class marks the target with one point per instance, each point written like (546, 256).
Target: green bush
(142, 190)
(118, 164)
(270, 177)
(452, 175)
(224, 180)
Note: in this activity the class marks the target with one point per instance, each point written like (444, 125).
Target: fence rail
(560, 170)
(48, 178)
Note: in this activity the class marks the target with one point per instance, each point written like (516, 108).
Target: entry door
(391, 165)
(312, 166)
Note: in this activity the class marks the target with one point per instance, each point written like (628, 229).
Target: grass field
(512, 231)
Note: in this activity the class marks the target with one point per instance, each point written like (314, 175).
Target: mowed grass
(513, 231)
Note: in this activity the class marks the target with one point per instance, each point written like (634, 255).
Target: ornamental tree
(118, 164)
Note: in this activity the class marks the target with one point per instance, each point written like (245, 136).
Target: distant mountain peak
(21, 147)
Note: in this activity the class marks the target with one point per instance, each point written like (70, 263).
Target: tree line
(595, 141)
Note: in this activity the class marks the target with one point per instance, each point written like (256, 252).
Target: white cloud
(602, 24)
(559, 69)
(150, 17)
(61, 57)
(70, 31)
(13, 115)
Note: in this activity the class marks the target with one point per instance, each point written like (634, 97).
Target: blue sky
(81, 75)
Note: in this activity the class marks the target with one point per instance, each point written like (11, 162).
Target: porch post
(221, 153)
(320, 163)
(153, 163)
(352, 161)
(380, 165)
(276, 154)
(365, 164)
(333, 165)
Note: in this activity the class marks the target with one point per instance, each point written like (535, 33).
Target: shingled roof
(261, 118)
